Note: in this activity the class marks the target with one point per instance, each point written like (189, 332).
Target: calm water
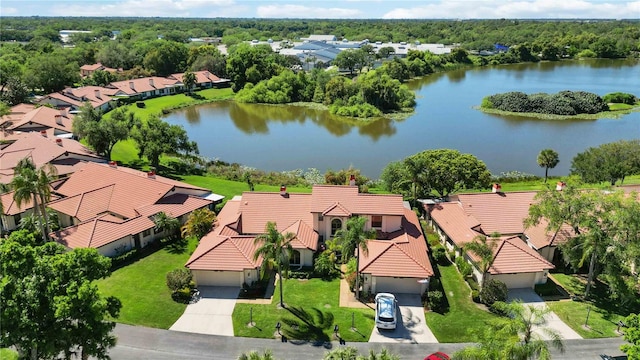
(288, 137)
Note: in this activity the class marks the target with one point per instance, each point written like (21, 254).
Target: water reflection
(193, 115)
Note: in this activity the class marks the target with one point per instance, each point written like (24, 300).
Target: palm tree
(189, 81)
(351, 240)
(199, 223)
(513, 336)
(33, 184)
(166, 223)
(483, 248)
(415, 168)
(275, 250)
(548, 159)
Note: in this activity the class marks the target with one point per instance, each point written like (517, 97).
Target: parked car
(437, 356)
(386, 311)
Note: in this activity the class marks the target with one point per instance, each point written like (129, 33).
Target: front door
(136, 240)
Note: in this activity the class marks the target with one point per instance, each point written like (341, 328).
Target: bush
(182, 296)
(179, 279)
(439, 254)
(325, 267)
(124, 259)
(493, 290)
(464, 267)
(351, 280)
(498, 308)
(620, 98)
(299, 274)
(475, 296)
(140, 104)
(435, 300)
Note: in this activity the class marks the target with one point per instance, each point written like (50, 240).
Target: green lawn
(604, 313)
(229, 188)
(141, 286)
(314, 300)
(464, 317)
(8, 354)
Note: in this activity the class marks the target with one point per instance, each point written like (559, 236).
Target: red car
(437, 356)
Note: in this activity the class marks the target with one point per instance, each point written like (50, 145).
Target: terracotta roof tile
(46, 117)
(512, 255)
(457, 224)
(101, 231)
(306, 237)
(10, 207)
(175, 205)
(258, 208)
(142, 85)
(325, 196)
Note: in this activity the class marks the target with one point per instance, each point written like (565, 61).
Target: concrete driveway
(529, 297)
(211, 314)
(411, 327)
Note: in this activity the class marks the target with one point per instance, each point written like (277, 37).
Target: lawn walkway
(463, 317)
(141, 287)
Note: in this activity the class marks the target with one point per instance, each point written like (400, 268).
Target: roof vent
(59, 119)
(59, 141)
(496, 188)
(131, 85)
(43, 133)
(352, 180)
(151, 82)
(113, 164)
(560, 185)
(97, 93)
(151, 174)
(283, 190)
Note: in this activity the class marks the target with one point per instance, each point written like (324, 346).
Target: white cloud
(168, 8)
(491, 9)
(301, 11)
(8, 11)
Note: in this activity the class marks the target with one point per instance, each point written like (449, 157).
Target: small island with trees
(562, 105)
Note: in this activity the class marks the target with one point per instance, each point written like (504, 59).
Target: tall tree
(483, 247)
(189, 81)
(31, 184)
(51, 72)
(275, 250)
(199, 223)
(513, 336)
(632, 336)
(548, 159)
(352, 239)
(608, 162)
(51, 304)
(168, 58)
(156, 137)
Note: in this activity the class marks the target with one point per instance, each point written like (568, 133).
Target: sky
(344, 9)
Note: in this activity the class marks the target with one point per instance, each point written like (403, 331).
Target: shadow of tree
(307, 325)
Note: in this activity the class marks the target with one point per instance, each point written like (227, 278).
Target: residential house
(204, 79)
(88, 69)
(111, 208)
(522, 256)
(53, 122)
(143, 88)
(397, 260)
(65, 155)
(73, 98)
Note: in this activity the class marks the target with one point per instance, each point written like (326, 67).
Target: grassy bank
(615, 113)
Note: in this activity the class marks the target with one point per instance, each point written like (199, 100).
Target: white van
(386, 311)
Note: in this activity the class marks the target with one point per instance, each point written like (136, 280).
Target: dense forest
(33, 60)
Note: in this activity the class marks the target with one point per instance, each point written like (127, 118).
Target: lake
(286, 137)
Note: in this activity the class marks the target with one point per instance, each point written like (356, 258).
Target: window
(336, 224)
(146, 233)
(16, 219)
(376, 221)
(295, 258)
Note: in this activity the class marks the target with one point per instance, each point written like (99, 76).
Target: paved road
(136, 342)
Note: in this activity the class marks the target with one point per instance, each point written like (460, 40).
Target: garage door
(398, 285)
(218, 278)
(514, 281)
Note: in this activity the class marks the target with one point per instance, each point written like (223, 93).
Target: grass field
(604, 313)
(463, 317)
(230, 188)
(311, 305)
(141, 286)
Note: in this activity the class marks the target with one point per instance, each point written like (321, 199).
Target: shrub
(475, 296)
(620, 98)
(140, 104)
(435, 300)
(182, 296)
(439, 254)
(498, 308)
(325, 267)
(125, 258)
(463, 266)
(179, 279)
(493, 290)
(299, 274)
(351, 280)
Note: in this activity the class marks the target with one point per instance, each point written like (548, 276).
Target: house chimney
(560, 185)
(151, 82)
(131, 85)
(151, 174)
(97, 93)
(59, 141)
(496, 188)
(352, 180)
(113, 164)
(283, 190)
(43, 133)
(59, 119)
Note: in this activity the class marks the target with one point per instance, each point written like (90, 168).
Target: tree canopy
(608, 162)
(156, 137)
(51, 304)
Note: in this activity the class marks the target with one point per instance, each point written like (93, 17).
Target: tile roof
(174, 205)
(455, 222)
(96, 95)
(141, 85)
(405, 255)
(226, 254)
(10, 207)
(101, 231)
(540, 237)
(512, 255)
(259, 208)
(46, 117)
(306, 237)
(202, 77)
(326, 196)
